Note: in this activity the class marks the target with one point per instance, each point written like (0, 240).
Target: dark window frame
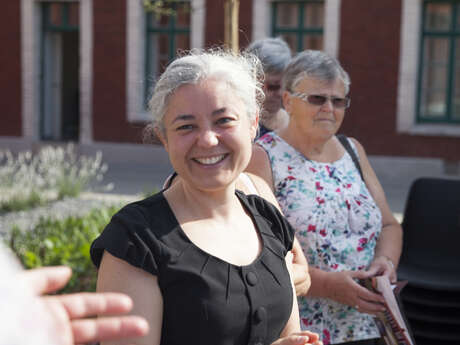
(300, 31)
(452, 34)
(171, 31)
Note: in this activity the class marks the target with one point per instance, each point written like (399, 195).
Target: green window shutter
(300, 23)
(438, 95)
(60, 16)
(166, 35)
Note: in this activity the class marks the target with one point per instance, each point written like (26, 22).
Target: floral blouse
(337, 224)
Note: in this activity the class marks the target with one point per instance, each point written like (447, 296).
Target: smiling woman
(203, 262)
(208, 133)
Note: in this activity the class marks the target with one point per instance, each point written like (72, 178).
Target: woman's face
(208, 135)
(316, 120)
(272, 90)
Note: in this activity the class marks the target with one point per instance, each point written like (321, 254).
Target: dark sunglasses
(337, 102)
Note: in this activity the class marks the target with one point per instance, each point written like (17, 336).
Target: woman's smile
(211, 160)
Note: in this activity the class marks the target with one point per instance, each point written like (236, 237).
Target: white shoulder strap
(248, 183)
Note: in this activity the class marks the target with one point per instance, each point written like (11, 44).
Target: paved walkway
(144, 171)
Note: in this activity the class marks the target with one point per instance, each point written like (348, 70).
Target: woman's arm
(116, 275)
(389, 245)
(300, 270)
(293, 324)
(291, 334)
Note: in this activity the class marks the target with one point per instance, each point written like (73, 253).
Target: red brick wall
(10, 76)
(369, 51)
(109, 78)
(214, 34)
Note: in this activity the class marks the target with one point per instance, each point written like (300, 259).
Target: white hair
(314, 64)
(240, 72)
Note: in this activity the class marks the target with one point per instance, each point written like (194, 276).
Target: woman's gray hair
(314, 64)
(274, 53)
(240, 72)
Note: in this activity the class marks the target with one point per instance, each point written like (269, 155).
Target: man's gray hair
(274, 53)
(314, 64)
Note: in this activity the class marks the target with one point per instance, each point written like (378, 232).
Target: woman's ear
(162, 137)
(254, 126)
(287, 99)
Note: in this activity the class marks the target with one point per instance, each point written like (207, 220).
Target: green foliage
(166, 8)
(62, 242)
(150, 191)
(21, 202)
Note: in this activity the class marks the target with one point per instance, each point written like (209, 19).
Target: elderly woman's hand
(383, 266)
(301, 338)
(343, 287)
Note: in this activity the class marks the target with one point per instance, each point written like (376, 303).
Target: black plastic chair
(431, 225)
(430, 261)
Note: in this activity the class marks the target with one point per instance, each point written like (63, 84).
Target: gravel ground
(82, 205)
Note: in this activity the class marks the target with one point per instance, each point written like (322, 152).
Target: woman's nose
(208, 138)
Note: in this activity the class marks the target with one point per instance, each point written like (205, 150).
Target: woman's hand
(343, 288)
(300, 338)
(383, 266)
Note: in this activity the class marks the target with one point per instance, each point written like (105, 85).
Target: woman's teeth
(210, 160)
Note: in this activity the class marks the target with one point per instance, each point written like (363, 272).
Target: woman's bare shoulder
(259, 165)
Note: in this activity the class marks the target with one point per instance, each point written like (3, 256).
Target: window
(60, 47)
(60, 16)
(166, 35)
(300, 23)
(439, 69)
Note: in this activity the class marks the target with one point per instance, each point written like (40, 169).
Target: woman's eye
(224, 120)
(184, 127)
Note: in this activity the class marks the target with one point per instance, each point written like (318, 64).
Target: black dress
(206, 300)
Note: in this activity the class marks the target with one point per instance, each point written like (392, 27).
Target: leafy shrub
(28, 180)
(62, 242)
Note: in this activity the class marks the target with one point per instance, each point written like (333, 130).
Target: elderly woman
(202, 262)
(275, 54)
(342, 219)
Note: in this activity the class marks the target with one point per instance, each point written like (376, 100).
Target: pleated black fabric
(206, 299)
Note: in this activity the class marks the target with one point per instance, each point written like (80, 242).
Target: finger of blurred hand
(46, 279)
(304, 337)
(90, 304)
(108, 328)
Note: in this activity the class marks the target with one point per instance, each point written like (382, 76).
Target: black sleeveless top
(206, 300)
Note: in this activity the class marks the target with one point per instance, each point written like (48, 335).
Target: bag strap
(346, 144)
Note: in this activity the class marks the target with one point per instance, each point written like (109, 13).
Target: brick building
(82, 70)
